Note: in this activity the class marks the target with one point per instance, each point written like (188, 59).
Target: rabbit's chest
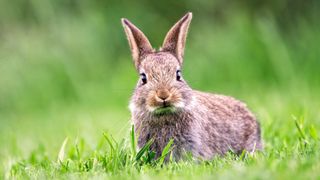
(161, 136)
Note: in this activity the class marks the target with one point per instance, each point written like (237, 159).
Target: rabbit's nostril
(163, 97)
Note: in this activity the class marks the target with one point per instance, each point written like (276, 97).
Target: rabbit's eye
(143, 78)
(178, 75)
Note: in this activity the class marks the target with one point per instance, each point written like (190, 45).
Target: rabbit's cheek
(176, 100)
(132, 107)
(152, 102)
(179, 104)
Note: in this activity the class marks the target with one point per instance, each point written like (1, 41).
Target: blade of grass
(144, 149)
(133, 141)
(299, 127)
(62, 150)
(166, 150)
(106, 136)
(313, 132)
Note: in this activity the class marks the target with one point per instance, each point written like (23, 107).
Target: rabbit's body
(164, 107)
(210, 125)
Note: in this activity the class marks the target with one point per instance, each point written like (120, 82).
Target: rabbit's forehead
(160, 63)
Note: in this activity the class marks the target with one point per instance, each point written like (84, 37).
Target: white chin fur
(151, 109)
(179, 104)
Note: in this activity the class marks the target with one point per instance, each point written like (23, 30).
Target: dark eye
(178, 75)
(143, 78)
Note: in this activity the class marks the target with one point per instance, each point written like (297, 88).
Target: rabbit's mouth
(164, 110)
(164, 102)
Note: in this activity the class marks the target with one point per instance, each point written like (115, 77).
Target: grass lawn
(98, 144)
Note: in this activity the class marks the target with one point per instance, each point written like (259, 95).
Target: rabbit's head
(161, 89)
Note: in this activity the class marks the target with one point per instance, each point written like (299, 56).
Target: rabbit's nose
(163, 94)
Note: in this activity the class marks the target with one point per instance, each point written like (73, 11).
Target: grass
(41, 149)
(66, 78)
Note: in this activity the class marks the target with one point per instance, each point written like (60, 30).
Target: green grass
(99, 144)
(66, 78)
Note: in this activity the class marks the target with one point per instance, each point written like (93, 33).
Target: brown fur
(201, 123)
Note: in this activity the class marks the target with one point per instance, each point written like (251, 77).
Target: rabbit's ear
(138, 42)
(176, 37)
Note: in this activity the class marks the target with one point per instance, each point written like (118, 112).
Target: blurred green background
(66, 68)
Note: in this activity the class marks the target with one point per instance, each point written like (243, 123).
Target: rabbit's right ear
(138, 42)
(175, 39)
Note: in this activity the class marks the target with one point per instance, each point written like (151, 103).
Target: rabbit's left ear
(175, 39)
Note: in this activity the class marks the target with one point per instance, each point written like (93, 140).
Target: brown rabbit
(164, 107)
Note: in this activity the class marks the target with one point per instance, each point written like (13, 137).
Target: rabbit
(164, 107)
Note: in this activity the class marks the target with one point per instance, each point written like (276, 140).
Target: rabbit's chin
(166, 110)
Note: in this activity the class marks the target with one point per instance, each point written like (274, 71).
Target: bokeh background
(66, 68)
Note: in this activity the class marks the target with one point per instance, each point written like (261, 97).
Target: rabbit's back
(223, 123)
